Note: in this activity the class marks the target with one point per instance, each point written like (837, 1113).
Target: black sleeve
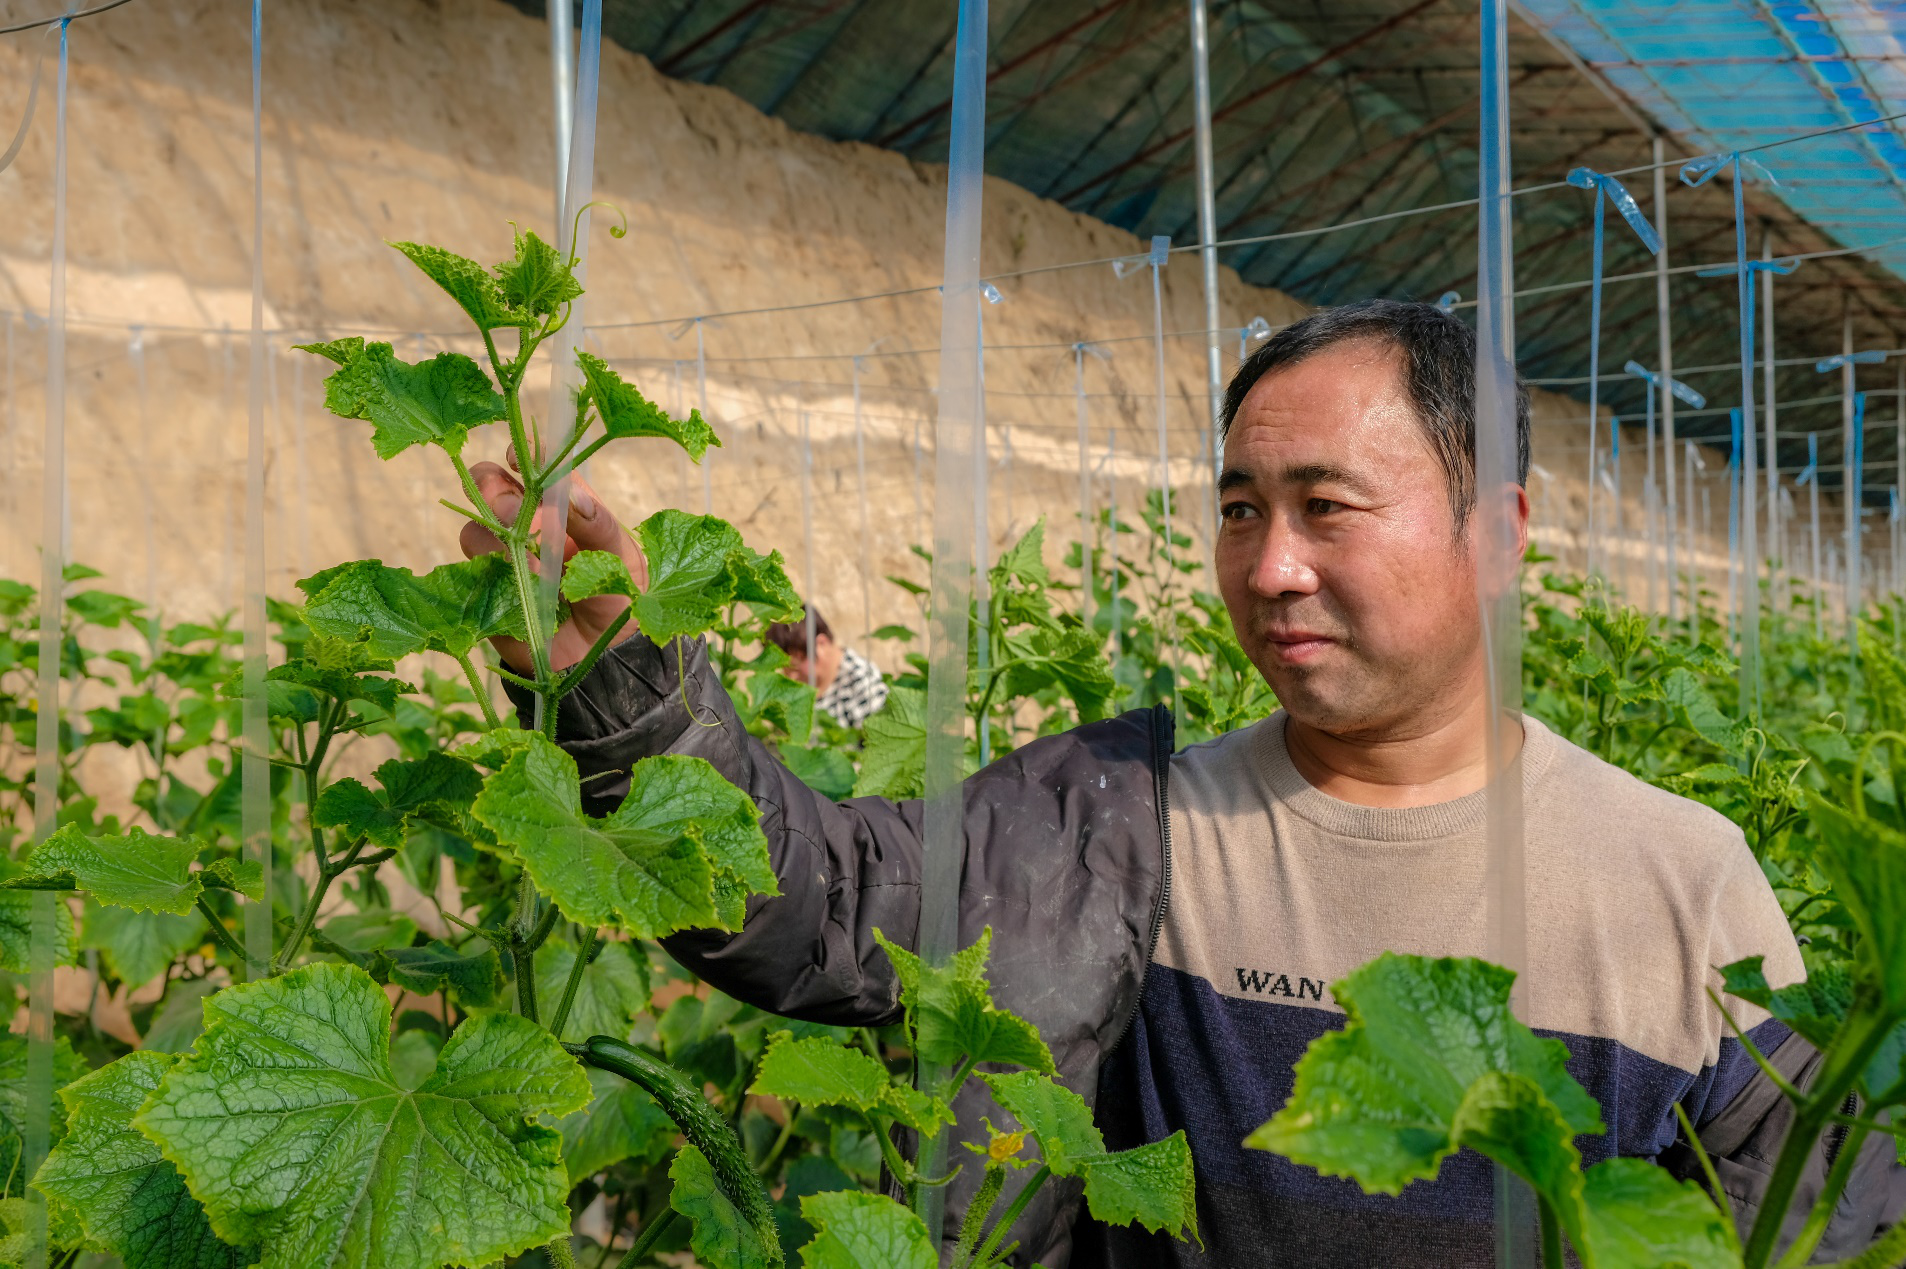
(1744, 1139)
(845, 869)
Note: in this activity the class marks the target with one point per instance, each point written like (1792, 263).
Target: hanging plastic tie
(1865, 357)
(1607, 189)
(1681, 390)
(1256, 328)
(1448, 300)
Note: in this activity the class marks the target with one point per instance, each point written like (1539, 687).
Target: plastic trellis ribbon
(1735, 598)
(1087, 538)
(1448, 300)
(37, 1126)
(255, 753)
(1607, 189)
(1498, 576)
(1811, 479)
(959, 452)
(1683, 392)
(1695, 174)
(1856, 453)
(572, 236)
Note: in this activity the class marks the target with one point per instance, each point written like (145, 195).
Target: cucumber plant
(307, 1121)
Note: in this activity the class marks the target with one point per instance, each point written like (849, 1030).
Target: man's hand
(591, 527)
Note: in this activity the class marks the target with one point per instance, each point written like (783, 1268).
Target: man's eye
(1237, 511)
(1321, 506)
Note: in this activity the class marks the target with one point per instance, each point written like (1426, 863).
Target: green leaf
(434, 782)
(536, 280)
(341, 1164)
(893, 764)
(862, 1231)
(1151, 1185)
(1699, 713)
(698, 567)
(138, 946)
(1866, 862)
(779, 699)
(342, 351)
(137, 871)
(130, 1201)
(433, 402)
(413, 1056)
(613, 991)
(723, 1237)
(1639, 1215)
(627, 413)
(828, 772)
(395, 613)
(67, 1067)
(950, 1010)
(469, 284)
(621, 1122)
(182, 1019)
(1378, 1100)
(370, 931)
(16, 931)
(682, 851)
(1814, 1007)
(247, 877)
(817, 1071)
(1506, 1116)
(475, 975)
(1055, 1115)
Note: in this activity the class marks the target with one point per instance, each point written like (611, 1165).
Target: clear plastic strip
(37, 1130)
(807, 554)
(866, 534)
(1811, 478)
(1775, 547)
(1498, 590)
(572, 234)
(1664, 363)
(701, 390)
(959, 448)
(1747, 514)
(562, 85)
(1207, 225)
(1736, 600)
(1086, 536)
(1594, 375)
(255, 757)
(1849, 533)
(1856, 485)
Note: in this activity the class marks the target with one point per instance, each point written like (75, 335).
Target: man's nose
(1283, 565)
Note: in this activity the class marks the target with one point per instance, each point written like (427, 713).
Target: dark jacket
(1068, 861)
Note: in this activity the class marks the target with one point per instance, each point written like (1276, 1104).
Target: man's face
(1337, 553)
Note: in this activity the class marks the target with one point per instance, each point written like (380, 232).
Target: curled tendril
(575, 228)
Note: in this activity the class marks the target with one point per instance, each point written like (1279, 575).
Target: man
(847, 685)
(1172, 921)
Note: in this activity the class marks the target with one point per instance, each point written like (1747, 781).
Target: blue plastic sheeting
(1727, 75)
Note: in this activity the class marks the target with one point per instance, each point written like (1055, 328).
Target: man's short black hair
(1439, 358)
(791, 636)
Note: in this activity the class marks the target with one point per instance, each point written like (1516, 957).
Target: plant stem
(223, 935)
(890, 1155)
(1551, 1235)
(482, 693)
(1859, 1038)
(561, 1016)
(572, 678)
(1810, 1234)
(1013, 1213)
(649, 1237)
(766, 1166)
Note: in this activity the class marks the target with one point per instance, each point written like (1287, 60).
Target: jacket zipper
(1161, 783)
(1837, 1135)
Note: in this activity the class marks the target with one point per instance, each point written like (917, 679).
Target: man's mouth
(1297, 646)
